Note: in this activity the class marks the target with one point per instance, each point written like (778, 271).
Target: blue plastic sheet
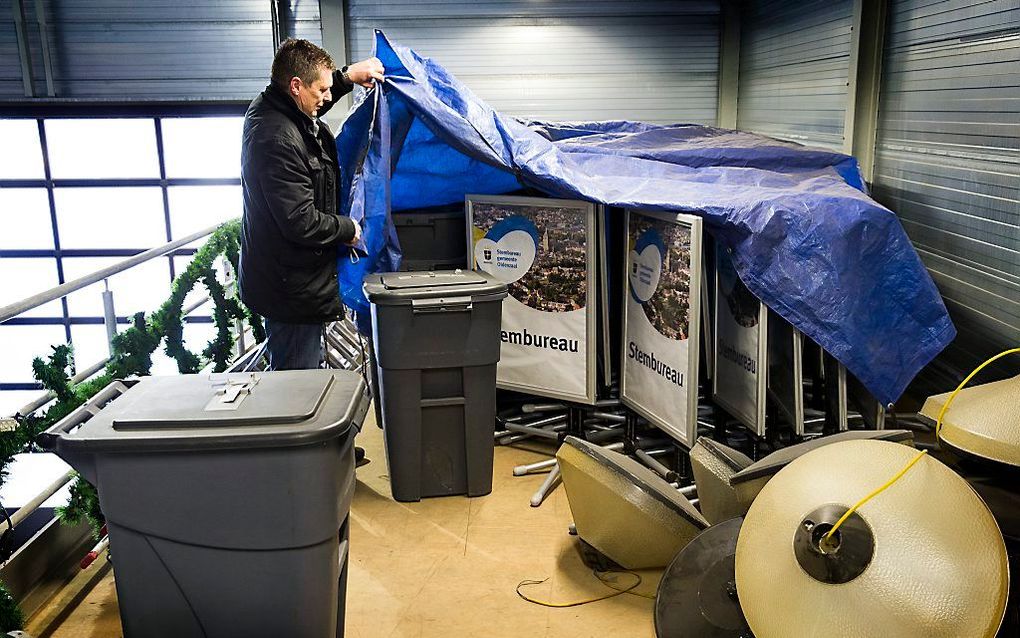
(804, 235)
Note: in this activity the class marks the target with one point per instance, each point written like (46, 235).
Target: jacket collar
(281, 101)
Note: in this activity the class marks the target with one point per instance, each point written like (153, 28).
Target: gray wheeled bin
(226, 498)
(436, 341)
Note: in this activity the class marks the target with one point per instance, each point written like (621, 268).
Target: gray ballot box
(226, 497)
(436, 340)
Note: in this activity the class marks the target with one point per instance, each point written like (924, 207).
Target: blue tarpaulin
(804, 235)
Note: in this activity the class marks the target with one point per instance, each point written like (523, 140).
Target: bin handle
(48, 439)
(442, 304)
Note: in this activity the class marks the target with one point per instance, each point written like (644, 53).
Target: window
(202, 147)
(90, 345)
(21, 344)
(23, 278)
(195, 208)
(93, 148)
(22, 156)
(25, 218)
(110, 217)
(109, 202)
(140, 289)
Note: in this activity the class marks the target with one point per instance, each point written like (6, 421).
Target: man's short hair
(301, 59)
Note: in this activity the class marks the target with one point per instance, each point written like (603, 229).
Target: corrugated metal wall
(155, 50)
(948, 158)
(650, 60)
(794, 61)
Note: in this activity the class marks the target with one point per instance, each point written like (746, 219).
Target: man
(290, 176)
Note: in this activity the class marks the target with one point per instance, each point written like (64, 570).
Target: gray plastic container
(226, 496)
(436, 342)
(435, 236)
(422, 265)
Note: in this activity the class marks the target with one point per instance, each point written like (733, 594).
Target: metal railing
(58, 292)
(109, 319)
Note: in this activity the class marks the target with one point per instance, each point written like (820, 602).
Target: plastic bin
(432, 239)
(424, 265)
(436, 342)
(227, 498)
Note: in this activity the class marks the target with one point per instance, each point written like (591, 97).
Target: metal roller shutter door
(653, 60)
(948, 159)
(794, 62)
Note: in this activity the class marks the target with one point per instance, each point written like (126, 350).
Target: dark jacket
(291, 227)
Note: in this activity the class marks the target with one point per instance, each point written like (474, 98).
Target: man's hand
(357, 234)
(366, 72)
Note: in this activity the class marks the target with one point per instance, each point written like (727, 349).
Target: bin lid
(223, 411)
(404, 287)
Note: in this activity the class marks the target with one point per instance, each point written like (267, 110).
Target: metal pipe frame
(61, 291)
(24, 51)
(44, 41)
(551, 433)
(30, 507)
(551, 481)
(531, 408)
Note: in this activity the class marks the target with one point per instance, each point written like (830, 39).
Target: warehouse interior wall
(947, 161)
(933, 119)
(647, 60)
(144, 51)
(794, 69)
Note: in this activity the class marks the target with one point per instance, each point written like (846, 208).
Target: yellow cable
(938, 428)
(630, 590)
(942, 412)
(598, 575)
(875, 493)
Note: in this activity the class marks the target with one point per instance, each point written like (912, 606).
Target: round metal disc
(939, 566)
(697, 593)
(838, 559)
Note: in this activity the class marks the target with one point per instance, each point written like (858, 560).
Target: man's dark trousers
(293, 346)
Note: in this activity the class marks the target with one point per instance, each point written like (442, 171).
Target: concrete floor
(449, 566)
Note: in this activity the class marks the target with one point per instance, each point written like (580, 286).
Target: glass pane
(24, 277)
(196, 337)
(89, 345)
(202, 147)
(110, 217)
(143, 288)
(21, 344)
(25, 218)
(22, 156)
(199, 291)
(13, 400)
(195, 208)
(162, 365)
(82, 149)
(29, 475)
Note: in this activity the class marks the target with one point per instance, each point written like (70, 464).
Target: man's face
(309, 98)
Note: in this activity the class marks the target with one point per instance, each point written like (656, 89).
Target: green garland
(11, 617)
(132, 355)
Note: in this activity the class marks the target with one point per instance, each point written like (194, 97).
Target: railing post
(230, 277)
(109, 315)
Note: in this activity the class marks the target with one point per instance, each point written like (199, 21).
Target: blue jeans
(294, 346)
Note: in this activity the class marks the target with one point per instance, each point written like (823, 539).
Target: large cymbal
(623, 509)
(713, 465)
(749, 481)
(982, 421)
(697, 597)
(922, 559)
